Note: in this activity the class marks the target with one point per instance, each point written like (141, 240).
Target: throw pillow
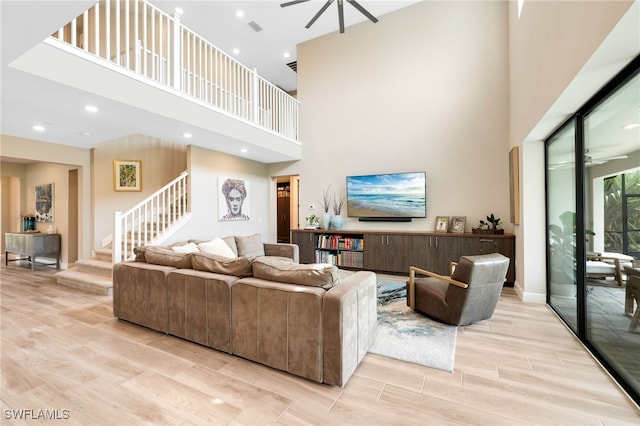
(238, 267)
(231, 242)
(250, 246)
(313, 275)
(167, 257)
(218, 247)
(186, 248)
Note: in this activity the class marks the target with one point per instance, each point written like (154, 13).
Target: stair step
(104, 254)
(93, 283)
(95, 266)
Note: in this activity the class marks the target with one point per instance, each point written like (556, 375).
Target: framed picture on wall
(233, 199)
(127, 175)
(442, 223)
(44, 202)
(457, 223)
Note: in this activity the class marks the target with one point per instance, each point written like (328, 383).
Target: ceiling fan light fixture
(324, 7)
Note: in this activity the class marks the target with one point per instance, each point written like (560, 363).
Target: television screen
(387, 196)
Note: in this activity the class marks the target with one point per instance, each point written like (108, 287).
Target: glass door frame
(578, 119)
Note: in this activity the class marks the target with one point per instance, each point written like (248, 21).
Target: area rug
(410, 336)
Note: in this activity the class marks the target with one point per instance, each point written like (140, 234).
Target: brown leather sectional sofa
(313, 321)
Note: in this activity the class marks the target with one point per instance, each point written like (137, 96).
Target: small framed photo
(442, 223)
(127, 175)
(457, 223)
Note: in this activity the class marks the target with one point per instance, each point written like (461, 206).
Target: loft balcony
(132, 52)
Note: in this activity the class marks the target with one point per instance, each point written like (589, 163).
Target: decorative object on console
(457, 223)
(338, 204)
(396, 197)
(127, 175)
(326, 205)
(442, 223)
(28, 223)
(489, 227)
(313, 222)
(44, 202)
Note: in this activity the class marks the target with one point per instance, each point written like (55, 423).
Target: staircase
(93, 274)
(151, 221)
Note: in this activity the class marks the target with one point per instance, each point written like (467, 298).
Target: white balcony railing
(151, 220)
(136, 35)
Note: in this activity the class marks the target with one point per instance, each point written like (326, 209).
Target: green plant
(494, 221)
(563, 247)
(312, 220)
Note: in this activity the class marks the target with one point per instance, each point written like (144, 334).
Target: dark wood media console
(394, 252)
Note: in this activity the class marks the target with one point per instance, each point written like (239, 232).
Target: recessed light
(179, 10)
(239, 13)
(244, 150)
(85, 134)
(38, 128)
(91, 108)
(187, 135)
(631, 126)
(236, 51)
(286, 55)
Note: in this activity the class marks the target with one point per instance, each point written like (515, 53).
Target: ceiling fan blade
(291, 3)
(320, 12)
(364, 11)
(341, 16)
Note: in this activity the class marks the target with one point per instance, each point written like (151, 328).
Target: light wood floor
(63, 350)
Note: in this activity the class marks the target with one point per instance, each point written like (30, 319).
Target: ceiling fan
(354, 3)
(589, 160)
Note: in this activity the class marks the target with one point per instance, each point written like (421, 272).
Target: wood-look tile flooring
(63, 350)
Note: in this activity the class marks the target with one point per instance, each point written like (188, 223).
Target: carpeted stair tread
(104, 254)
(95, 266)
(95, 283)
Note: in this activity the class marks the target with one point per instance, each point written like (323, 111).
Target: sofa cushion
(186, 248)
(218, 247)
(250, 246)
(168, 257)
(238, 267)
(313, 275)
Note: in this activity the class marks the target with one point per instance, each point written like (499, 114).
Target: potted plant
(326, 205)
(313, 222)
(495, 222)
(563, 252)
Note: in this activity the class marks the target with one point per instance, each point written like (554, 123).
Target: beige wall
(206, 168)
(560, 54)
(426, 88)
(161, 163)
(52, 163)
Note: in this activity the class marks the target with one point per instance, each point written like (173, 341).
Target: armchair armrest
(411, 294)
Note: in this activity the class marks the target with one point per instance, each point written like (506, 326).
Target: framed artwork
(457, 223)
(442, 223)
(233, 201)
(514, 185)
(44, 202)
(127, 175)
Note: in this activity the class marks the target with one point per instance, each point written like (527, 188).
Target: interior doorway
(287, 190)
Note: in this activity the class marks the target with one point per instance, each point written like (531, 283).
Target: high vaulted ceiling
(28, 99)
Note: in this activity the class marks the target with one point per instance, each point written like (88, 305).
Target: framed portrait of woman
(233, 199)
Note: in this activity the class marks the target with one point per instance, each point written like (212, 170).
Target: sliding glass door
(593, 218)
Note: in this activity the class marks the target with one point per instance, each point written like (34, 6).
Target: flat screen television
(387, 197)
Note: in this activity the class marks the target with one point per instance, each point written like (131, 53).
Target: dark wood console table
(395, 251)
(32, 245)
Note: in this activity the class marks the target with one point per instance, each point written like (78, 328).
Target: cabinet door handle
(482, 240)
(436, 242)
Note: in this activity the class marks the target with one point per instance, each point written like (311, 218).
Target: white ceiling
(28, 99)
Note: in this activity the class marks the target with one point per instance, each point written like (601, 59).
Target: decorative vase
(326, 221)
(337, 222)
